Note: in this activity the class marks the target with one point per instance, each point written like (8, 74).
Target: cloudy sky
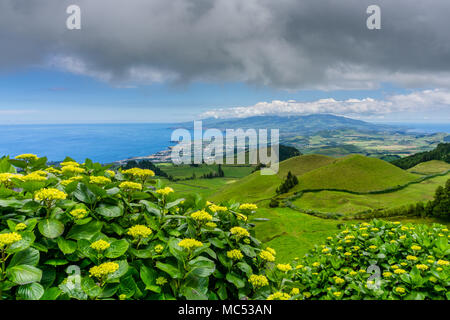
(160, 61)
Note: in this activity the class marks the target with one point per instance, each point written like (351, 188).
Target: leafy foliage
(441, 152)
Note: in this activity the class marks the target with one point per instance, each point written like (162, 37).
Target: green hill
(355, 173)
(256, 187)
(430, 167)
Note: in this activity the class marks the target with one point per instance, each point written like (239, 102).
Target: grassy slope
(256, 187)
(292, 233)
(355, 173)
(343, 202)
(430, 167)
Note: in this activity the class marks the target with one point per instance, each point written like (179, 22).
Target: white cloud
(420, 101)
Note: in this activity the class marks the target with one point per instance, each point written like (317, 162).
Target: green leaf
(110, 211)
(24, 274)
(202, 267)
(28, 256)
(56, 262)
(66, 246)
(27, 240)
(83, 194)
(31, 291)
(51, 293)
(173, 271)
(235, 279)
(117, 249)
(123, 268)
(85, 231)
(51, 228)
(90, 287)
(148, 276)
(245, 268)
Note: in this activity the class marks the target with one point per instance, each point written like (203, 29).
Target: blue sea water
(99, 142)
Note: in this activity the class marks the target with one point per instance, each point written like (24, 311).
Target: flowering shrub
(376, 260)
(84, 231)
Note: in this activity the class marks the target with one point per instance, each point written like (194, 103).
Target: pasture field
(186, 171)
(430, 167)
(347, 203)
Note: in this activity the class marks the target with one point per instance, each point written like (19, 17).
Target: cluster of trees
(218, 174)
(442, 152)
(440, 206)
(144, 164)
(290, 181)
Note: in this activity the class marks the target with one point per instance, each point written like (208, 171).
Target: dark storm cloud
(321, 44)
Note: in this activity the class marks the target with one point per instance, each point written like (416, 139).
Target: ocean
(107, 143)
(103, 143)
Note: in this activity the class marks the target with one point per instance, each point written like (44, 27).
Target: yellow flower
(399, 271)
(422, 267)
(393, 241)
(279, 296)
(211, 224)
(100, 245)
(7, 239)
(353, 273)
(411, 258)
(27, 156)
(307, 294)
(33, 177)
(325, 250)
(387, 274)
(165, 191)
(50, 194)
(159, 248)
(295, 291)
(416, 248)
(21, 226)
(190, 244)
(110, 173)
(272, 251)
(403, 237)
(53, 170)
(299, 266)
(71, 169)
(99, 180)
(139, 231)
(235, 254)
(130, 186)
(316, 264)
(284, 267)
(201, 216)
(338, 280)
(266, 255)
(347, 254)
(248, 207)
(258, 280)
(337, 294)
(78, 213)
(372, 247)
(439, 269)
(365, 235)
(329, 238)
(140, 173)
(122, 296)
(104, 269)
(216, 208)
(239, 232)
(160, 281)
(394, 267)
(442, 262)
(403, 264)
(70, 180)
(241, 217)
(400, 290)
(374, 229)
(69, 163)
